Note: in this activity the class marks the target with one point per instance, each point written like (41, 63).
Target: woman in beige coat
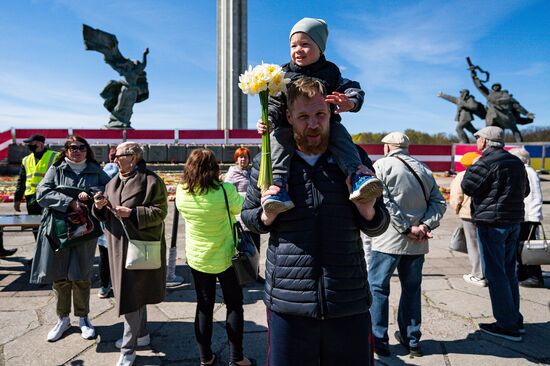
(461, 205)
(138, 197)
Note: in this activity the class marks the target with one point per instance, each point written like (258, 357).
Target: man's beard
(306, 147)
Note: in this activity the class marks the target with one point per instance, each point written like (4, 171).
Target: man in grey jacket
(416, 206)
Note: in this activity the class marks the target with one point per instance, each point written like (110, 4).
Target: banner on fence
(540, 154)
(436, 157)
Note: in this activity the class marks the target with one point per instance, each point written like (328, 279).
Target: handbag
(535, 251)
(246, 260)
(458, 241)
(72, 228)
(143, 254)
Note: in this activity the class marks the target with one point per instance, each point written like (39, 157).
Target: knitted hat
(468, 159)
(316, 29)
(397, 138)
(492, 133)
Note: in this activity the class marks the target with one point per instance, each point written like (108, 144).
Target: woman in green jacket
(209, 247)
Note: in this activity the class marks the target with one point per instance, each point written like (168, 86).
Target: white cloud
(404, 57)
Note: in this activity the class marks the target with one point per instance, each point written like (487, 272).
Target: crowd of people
(318, 290)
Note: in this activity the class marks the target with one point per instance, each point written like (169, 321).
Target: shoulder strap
(229, 215)
(426, 197)
(126, 231)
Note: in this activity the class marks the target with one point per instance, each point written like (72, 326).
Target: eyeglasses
(121, 155)
(77, 147)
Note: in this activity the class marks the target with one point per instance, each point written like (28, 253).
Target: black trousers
(528, 231)
(301, 341)
(33, 208)
(104, 271)
(205, 287)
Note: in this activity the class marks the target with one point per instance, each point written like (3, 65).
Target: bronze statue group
(502, 109)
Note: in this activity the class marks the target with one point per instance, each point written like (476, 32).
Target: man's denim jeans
(409, 269)
(498, 245)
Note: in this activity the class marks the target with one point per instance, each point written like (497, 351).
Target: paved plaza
(450, 312)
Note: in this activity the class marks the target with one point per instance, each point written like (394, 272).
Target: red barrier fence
(5, 141)
(436, 157)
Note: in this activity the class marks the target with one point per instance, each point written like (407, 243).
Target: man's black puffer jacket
(315, 260)
(497, 183)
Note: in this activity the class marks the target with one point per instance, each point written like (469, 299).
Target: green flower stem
(265, 180)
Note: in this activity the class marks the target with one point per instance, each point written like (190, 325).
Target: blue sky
(402, 53)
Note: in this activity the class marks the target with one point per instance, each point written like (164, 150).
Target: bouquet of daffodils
(265, 80)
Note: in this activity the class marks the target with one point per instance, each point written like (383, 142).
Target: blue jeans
(301, 341)
(498, 247)
(409, 315)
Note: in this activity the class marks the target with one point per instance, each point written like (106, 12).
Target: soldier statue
(502, 109)
(120, 96)
(466, 107)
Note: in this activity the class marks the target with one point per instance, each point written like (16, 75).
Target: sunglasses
(77, 147)
(121, 155)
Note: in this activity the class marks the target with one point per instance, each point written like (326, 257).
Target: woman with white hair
(530, 276)
(137, 198)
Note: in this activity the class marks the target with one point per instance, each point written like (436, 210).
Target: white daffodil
(265, 80)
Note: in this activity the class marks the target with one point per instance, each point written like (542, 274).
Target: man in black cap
(498, 185)
(33, 169)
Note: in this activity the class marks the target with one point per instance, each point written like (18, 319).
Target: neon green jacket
(208, 235)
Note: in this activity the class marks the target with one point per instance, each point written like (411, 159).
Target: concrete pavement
(451, 311)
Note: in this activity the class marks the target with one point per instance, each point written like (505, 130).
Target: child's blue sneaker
(365, 188)
(278, 203)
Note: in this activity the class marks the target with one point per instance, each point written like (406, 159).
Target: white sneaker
(126, 360)
(63, 324)
(141, 341)
(87, 329)
(103, 292)
(481, 282)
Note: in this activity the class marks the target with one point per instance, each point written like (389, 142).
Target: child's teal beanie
(315, 28)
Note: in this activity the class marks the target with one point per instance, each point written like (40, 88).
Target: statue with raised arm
(466, 107)
(120, 96)
(502, 109)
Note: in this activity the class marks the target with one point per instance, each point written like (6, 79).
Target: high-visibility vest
(36, 171)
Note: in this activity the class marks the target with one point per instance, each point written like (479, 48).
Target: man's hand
(365, 208)
(268, 219)
(439, 93)
(341, 100)
(420, 233)
(17, 206)
(426, 230)
(261, 127)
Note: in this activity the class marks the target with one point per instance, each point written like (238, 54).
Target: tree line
(530, 134)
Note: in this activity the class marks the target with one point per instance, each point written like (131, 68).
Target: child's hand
(261, 127)
(341, 101)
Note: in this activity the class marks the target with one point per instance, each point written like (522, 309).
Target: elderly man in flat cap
(416, 207)
(498, 184)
